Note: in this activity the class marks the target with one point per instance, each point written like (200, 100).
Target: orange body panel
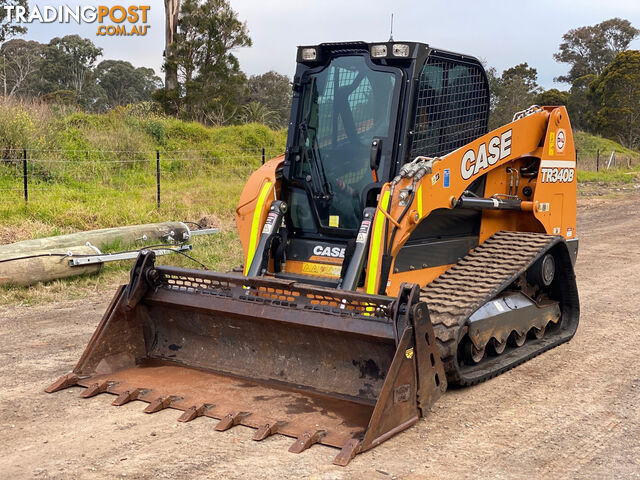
(553, 207)
(543, 136)
(248, 220)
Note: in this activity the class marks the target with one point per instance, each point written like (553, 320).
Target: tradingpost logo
(115, 21)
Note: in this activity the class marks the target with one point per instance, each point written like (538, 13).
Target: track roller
(497, 346)
(518, 339)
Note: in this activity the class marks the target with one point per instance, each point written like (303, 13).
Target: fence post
(24, 175)
(263, 156)
(158, 176)
(598, 160)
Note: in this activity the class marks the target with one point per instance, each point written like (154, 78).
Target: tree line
(65, 71)
(204, 81)
(603, 96)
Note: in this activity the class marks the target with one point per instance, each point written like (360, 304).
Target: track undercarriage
(487, 314)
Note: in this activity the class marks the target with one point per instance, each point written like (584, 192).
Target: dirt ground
(570, 413)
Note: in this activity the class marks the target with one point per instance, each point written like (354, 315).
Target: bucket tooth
(267, 430)
(128, 396)
(349, 450)
(194, 412)
(160, 403)
(96, 389)
(230, 420)
(305, 440)
(66, 381)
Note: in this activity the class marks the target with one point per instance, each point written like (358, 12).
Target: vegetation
(604, 96)
(204, 79)
(7, 28)
(98, 170)
(65, 72)
(588, 50)
(615, 94)
(514, 90)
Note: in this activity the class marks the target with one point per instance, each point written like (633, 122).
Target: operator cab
(360, 111)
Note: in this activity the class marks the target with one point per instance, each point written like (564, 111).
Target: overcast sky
(502, 32)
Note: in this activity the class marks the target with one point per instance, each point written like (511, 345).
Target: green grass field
(88, 171)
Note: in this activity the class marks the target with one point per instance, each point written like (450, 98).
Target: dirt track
(573, 412)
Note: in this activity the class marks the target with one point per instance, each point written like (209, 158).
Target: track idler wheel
(543, 271)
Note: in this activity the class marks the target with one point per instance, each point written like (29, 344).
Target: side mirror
(376, 151)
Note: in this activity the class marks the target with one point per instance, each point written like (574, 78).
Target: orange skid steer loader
(396, 247)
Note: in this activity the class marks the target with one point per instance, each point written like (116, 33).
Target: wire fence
(595, 159)
(157, 175)
(30, 174)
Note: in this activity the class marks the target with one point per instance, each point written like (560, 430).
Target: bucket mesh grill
(278, 292)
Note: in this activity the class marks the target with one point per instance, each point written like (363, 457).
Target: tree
(257, 112)
(493, 79)
(19, 61)
(211, 80)
(9, 29)
(616, 95)
(579, 106)
(515, 90)
(122, 83)
(553, 97)
(172, 10)
(272, 90)
(69, 62)
(588, 50)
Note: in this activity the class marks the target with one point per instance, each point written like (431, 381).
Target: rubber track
(473, 281)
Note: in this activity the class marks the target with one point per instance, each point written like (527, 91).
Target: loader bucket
(319, 365)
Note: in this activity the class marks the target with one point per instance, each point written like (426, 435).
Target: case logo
(334, 252)
(473, 162)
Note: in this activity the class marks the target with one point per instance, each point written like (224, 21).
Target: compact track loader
(395, 248)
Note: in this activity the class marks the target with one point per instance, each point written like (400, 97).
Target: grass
(588, 145)
(610, 176)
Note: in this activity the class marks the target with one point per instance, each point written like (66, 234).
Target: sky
(503, 33)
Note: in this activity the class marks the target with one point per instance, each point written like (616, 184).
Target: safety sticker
(334, 221)
(543, 207)
(561, 139)
(552, 143)
(435, 178)
(363, 232)
(321, 269)
(447, 178)
(556, 230)
(569, 232)
(408, 352)
(268, 225)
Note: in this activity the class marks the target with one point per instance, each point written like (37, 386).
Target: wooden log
(42, 266)
(128, 235)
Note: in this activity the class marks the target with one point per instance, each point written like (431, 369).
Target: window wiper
(319, 185)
